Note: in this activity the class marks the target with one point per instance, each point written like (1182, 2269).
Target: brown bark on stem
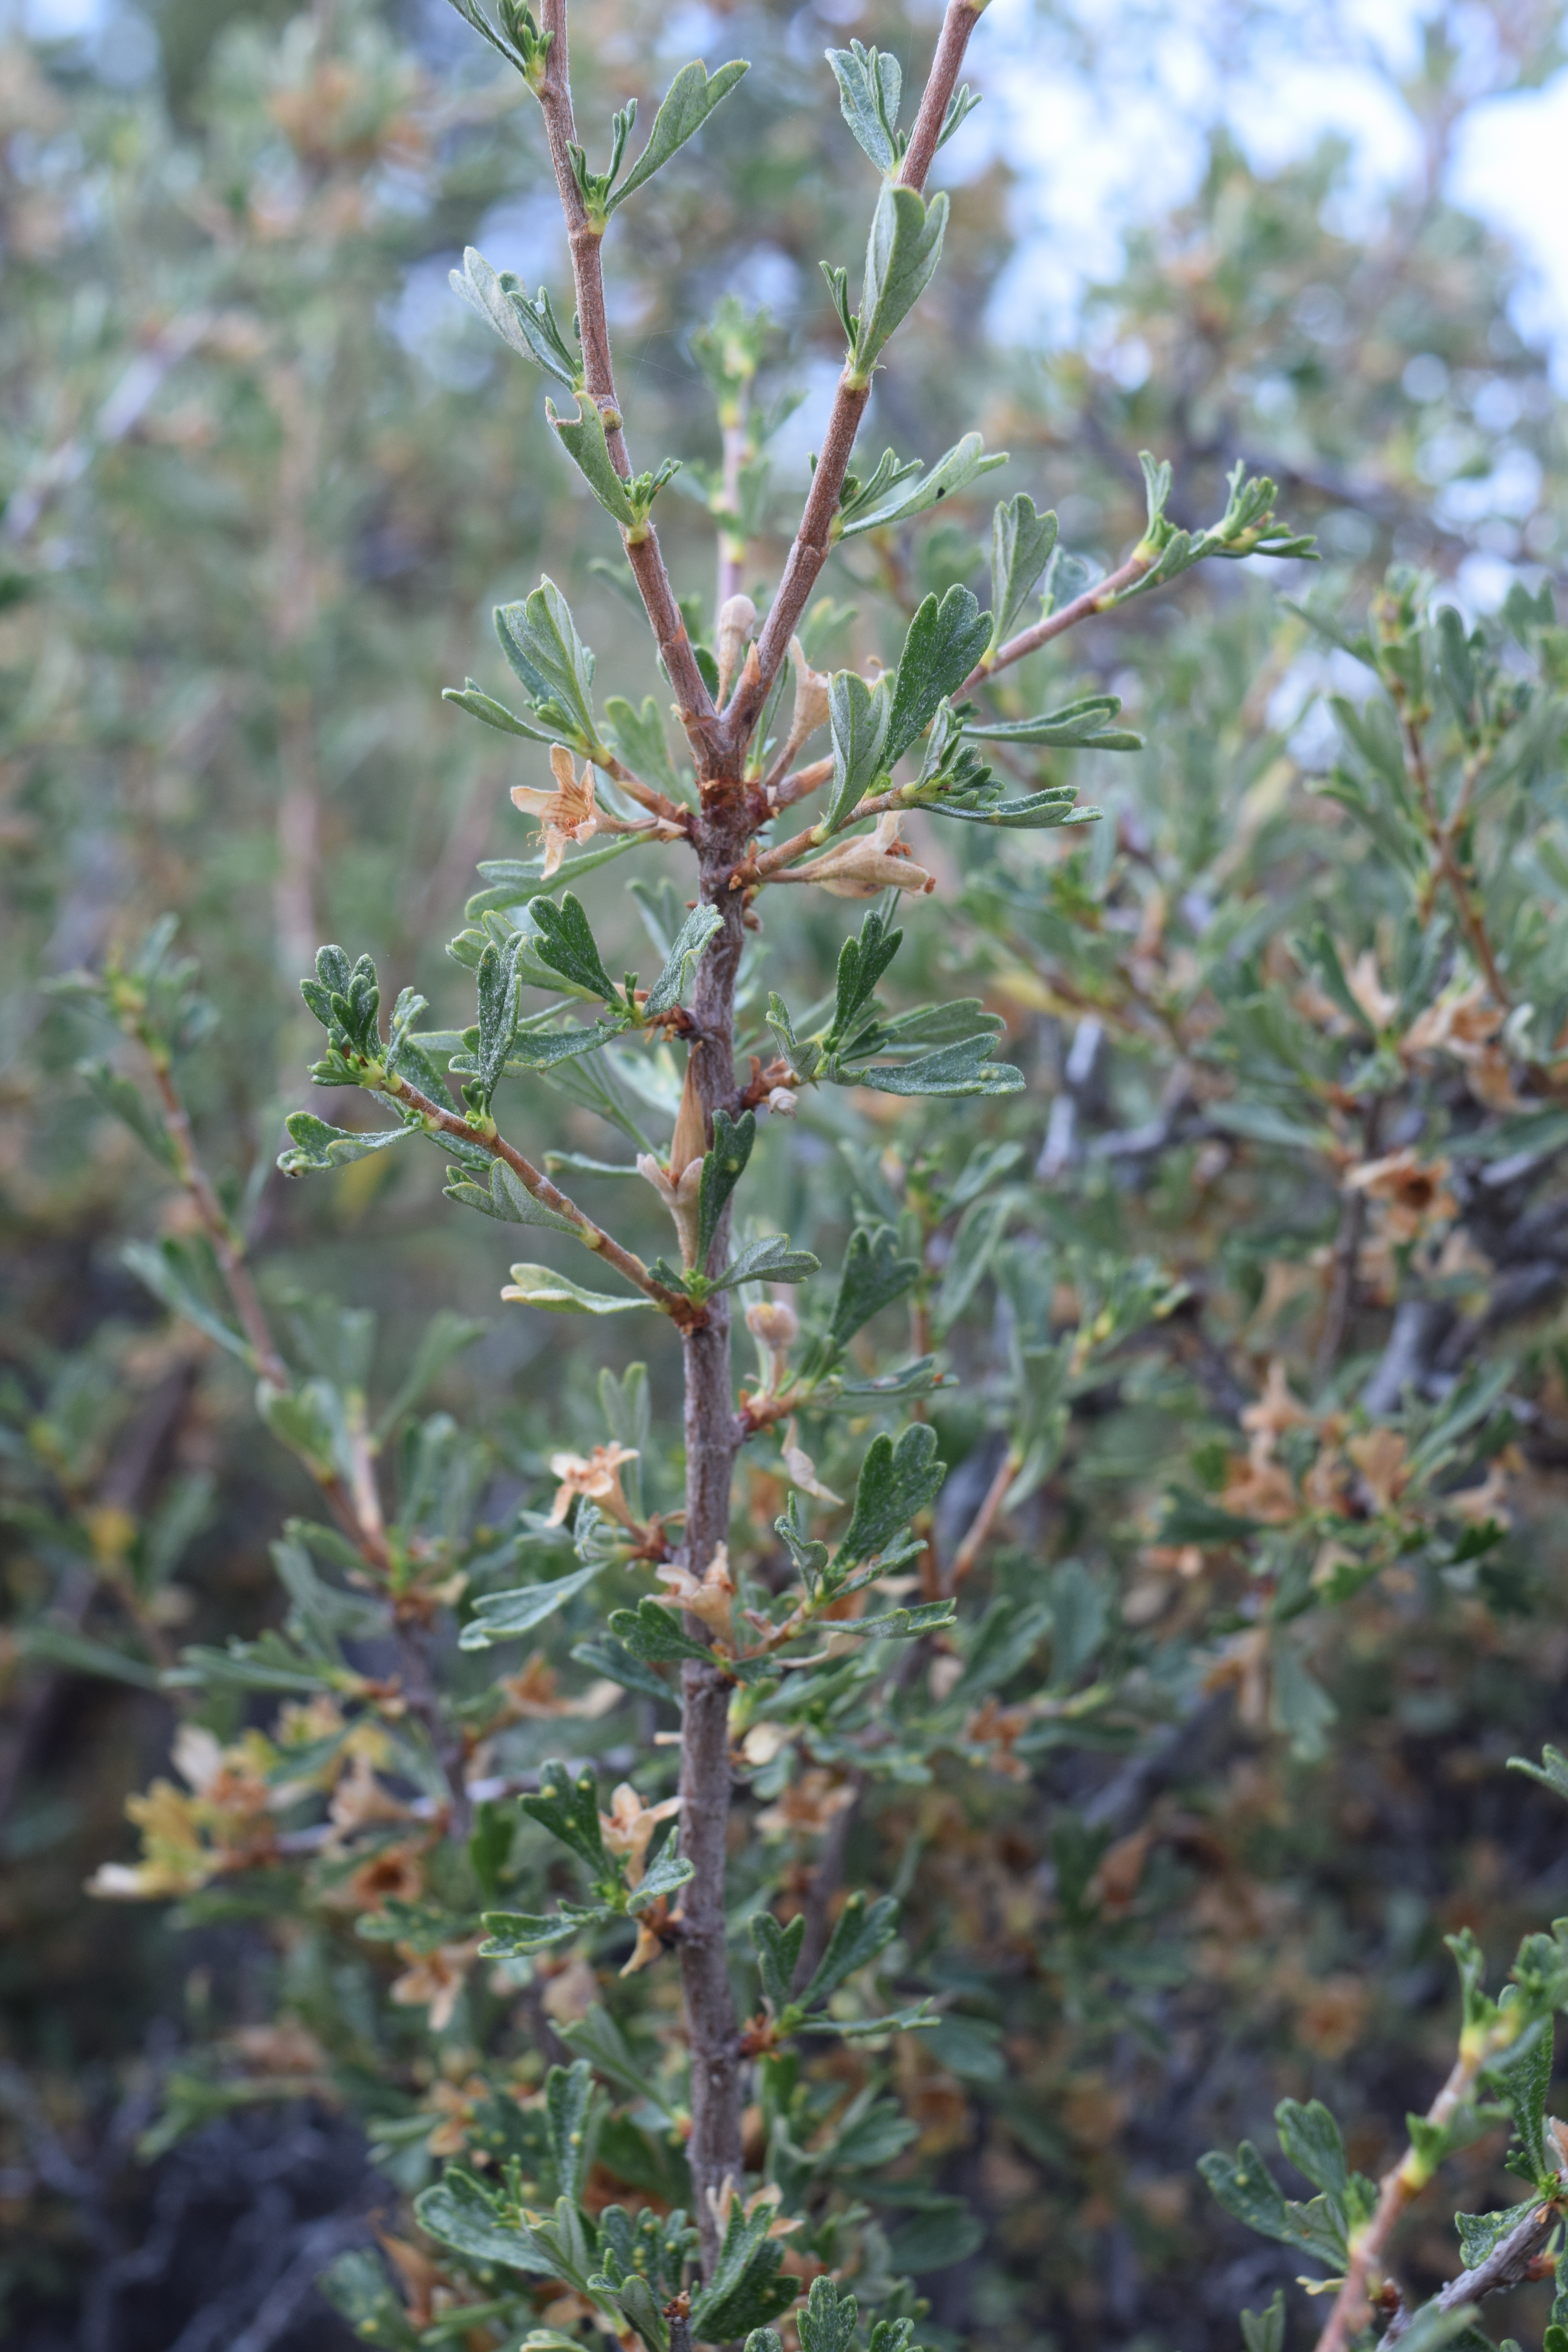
(712, 1440)
(1082, 608)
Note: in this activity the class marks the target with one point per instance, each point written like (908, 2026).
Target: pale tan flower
(571, 812)
(710, 1597)
(395, 1875)
(679, 1183)
(775, 1326)
(1477, 1504)
(1276, 1410)
(806, 1806)
(433, 1981)
(1366, 986)
(597, 1478)
(996, 1726)
(359, 1800)
(1382, 1457)
(811, 704)
(627, 1828)
(1410, 1191)
(571, 1990)
(532, 1695)
(871, 862)
(455, 2103)
(1243, 1663)
(421, 2277)
(737, 619)
(1259, 1487)
(1461, 1022)
(802, 1470)
(286, 2048)
(650, 1946)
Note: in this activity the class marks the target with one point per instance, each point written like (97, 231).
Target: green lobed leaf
(827, 2322)
(463, 2215)
(686, 952)
(778, 1955)
(768, 1260)
(861, 1930)
(858, 717)
(181, 1275)
(874, 1276)
(1083, 722)
(540, 1285)
(504, 1616)
(964, 1068)
(506, 1198)
(896, 1481)
(127, 1102)
(568, 2108)
(567, 1805)
(901, 255)
(664, 1876)
(528, 328)
(492, 713)
(539, 639)
(319, 1147)
(915, 489)
(583, 439)
(942, 645)
(652, 1633)
(566, 943)
(871, 85)
(1021, 544)
(639, 738)
(688, 101)
(1265, 2331)
(723, 1166)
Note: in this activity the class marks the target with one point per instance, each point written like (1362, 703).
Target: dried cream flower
(710, 1597)
(1411, 1191)
(571, 812)
(679, 1184)
(433, 1981)
(802, 1470)
(599, 1477)
(872, 862)
(737, 619)
(629, 1825)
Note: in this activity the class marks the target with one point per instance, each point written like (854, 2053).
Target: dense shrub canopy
(832, 1858)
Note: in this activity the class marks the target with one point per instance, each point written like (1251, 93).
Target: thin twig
(1402, 2183)
(696, 705)
(1439, 837)
(813, 539)
(1098, 599)
(591, 1236)
(978, 1533)
(226, 1247)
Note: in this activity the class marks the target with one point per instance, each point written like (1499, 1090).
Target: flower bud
(775, 1322)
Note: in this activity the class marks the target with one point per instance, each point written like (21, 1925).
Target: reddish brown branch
(1028, 640)
(814, 538)
(696, 705)
(591, 1236)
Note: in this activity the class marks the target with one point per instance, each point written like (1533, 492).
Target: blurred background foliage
(263, 480)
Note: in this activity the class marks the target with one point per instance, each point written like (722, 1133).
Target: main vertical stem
(711, 1443)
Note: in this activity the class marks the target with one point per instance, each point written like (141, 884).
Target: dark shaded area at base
(214, 2248)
